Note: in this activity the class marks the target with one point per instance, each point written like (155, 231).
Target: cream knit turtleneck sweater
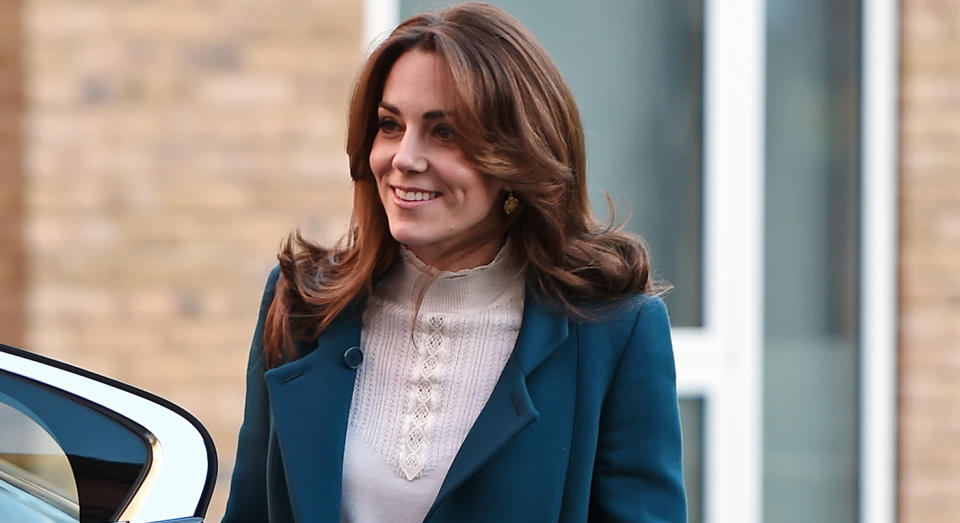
(416, 396)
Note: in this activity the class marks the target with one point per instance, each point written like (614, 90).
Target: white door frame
(728, 349)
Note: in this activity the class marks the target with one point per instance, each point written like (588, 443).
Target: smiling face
(433, 197)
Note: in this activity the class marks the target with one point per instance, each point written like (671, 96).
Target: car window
(36, 482)
(106, 455)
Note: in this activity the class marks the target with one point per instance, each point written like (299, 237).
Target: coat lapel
(310, 402)
(510, 408)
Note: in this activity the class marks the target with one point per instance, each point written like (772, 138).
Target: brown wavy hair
(516, 120)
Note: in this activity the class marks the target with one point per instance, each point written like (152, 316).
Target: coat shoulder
(621, 317)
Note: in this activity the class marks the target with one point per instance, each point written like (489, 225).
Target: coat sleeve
(248, 490)
(638, 474)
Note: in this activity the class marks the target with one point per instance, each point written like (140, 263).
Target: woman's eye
(387, 125)
(443, 132)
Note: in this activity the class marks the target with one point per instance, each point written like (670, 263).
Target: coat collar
(310, 404)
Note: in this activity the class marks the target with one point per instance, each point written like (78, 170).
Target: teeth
(414, 196)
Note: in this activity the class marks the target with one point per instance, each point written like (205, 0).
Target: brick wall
(11, 177)
(929, 459)
(169, 147)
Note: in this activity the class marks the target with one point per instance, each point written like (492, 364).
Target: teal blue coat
(582, 425)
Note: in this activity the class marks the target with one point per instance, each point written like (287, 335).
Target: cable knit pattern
(423, 383)
(423, 401)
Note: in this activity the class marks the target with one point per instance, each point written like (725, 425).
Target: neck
(467, 258)
(411, 281)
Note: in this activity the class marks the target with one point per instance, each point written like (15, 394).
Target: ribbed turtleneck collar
(452, 292)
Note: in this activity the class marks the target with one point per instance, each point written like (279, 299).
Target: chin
(407, 236)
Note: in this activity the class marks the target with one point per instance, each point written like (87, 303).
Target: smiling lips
(414, 196)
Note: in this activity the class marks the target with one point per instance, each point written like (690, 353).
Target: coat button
(353, 357)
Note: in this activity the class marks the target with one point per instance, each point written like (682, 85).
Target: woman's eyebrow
(435, 114)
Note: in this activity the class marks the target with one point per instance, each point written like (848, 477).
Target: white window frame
(878, 255)
(721, 362)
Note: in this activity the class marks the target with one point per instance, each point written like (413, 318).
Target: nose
(410, 156)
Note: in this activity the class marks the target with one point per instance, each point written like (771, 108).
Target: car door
(76, 446)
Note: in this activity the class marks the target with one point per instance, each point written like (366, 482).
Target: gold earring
(510, 204)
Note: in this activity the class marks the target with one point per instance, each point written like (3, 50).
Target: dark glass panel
(691, 419)
(811, 345)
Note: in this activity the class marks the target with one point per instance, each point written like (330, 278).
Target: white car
(76, 446)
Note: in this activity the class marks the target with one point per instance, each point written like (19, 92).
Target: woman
(478, 347)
